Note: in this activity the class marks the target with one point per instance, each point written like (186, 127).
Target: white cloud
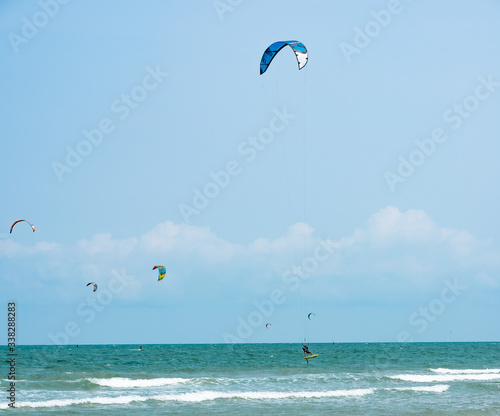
(187, 239)
(297, 235)
(390, 226)
(10, 248)
(392, 231)
(393, 248)
(104, 243)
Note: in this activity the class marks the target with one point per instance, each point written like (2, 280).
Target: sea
(445, 379)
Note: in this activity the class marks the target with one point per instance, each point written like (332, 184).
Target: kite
(309, 315)
(298, 48)
(267, 325)
(92, 283)
(161, 272)
(32, 226)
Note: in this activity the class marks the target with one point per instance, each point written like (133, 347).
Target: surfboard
(310, 356)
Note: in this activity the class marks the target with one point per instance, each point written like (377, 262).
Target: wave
(442, 378)
(209, 395)
(198, 397)
(123, 382)
(262, 395)
(438, 388)
(467, 371)
(69, 402)
(201, 382)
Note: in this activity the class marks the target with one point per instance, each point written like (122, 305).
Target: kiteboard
(310, 356)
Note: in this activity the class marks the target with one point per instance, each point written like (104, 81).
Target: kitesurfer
(305, 348)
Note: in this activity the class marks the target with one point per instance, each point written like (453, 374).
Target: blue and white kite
(298, 48)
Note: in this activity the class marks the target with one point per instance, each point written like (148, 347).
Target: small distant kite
(267, 325)
(298, 48)
(161, 272)
(93, 283)
(309, 315)
(32, 226)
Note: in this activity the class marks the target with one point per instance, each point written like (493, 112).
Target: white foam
(442, 378)
(467, 371)
(93, 400)
(122, 382)
(261, 395)
(437, 388)
(199, 397)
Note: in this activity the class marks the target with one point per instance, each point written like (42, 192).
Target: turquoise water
(257, 379)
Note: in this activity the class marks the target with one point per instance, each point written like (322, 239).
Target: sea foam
(261, 395)
(123, 382)
(467, 371)
(442, 378)
(437, 388)
(198, 397)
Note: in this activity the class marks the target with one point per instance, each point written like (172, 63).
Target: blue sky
(363, 188)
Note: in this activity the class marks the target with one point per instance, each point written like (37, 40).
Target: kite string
(304, 148)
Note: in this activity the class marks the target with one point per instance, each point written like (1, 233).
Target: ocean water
(256, 379)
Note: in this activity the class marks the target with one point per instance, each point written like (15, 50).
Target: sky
(362, 188)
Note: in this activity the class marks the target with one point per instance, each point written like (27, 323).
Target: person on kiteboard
(305, 348)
